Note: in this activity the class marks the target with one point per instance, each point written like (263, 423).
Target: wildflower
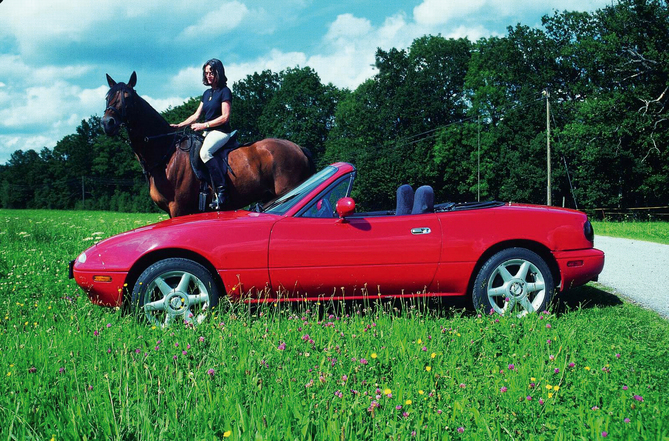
(338, 394)
(432, 355)
(211, 373)
(363, 361)
(428, 368)
(541, 401)
(625, 388)
(420, 392)
(108, 325)
(556, 388)
(638, 397)
(550, 395)
(96, 333)
(227, 434)
(374, 355)
(461, 429)
(556, 370)
(419, 341)
(90, 387)
(512, 367)
(605, 434)
(503, 389)
(405, 414)
(572, 364)
(587, 368)
(549, 387)
(551, 357)
(387, 391)
(548, 341)
(398, 407)
(201, 339)
(617, 355)
(528, 398)
(32, 369)
(61, 370)
(424, 348)
(463, 385)
(548, 325)
(626, 420)
(407, 402)
(595, 407)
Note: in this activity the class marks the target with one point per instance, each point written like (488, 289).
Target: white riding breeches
(213, 140)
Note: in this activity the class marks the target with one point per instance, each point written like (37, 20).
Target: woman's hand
(198, 127)
(178, 126)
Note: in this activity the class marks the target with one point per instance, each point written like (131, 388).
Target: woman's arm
(225, 116)
(194, 117)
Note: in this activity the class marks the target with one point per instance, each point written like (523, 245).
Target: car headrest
(423, 201)
(404, 199)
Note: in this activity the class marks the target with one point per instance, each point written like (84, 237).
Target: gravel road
(637, 270)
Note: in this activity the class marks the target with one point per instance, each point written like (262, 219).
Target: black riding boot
(218, 183)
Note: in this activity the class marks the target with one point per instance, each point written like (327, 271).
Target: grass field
(593, 367)
(648, 231)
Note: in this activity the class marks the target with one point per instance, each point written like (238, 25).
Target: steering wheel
(324, 208)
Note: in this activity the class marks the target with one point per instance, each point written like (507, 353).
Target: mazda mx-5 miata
(312, 245)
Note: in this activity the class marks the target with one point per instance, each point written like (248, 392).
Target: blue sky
(54, 54)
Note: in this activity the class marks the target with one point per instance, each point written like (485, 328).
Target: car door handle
(421, 230)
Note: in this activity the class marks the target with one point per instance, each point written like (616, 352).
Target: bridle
(122, 114)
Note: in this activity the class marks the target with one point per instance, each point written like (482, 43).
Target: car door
(354, 258)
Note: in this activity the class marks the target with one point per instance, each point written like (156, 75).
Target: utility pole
(478, 163)
(548, 147)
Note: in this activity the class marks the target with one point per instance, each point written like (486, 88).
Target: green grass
(71, 370)
(648, 231)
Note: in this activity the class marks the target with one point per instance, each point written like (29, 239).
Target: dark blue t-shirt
(212, 99)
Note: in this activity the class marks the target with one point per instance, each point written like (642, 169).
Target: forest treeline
(468, 118)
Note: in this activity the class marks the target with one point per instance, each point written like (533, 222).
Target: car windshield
(285, 202)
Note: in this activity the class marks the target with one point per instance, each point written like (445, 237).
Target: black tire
(174, 290)
(514, 281)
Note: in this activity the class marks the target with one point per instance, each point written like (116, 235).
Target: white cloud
(217, 22)
(435, 12)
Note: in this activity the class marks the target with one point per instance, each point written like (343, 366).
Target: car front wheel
(174, 290)
(513, 281)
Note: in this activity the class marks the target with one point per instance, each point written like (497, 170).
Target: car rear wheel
(514, 281)
(174, 290)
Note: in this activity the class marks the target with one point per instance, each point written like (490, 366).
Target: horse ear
(110, 81)
(133, 80)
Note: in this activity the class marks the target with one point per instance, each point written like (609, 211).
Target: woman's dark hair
(219, 72)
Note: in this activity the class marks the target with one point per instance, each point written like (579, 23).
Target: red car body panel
(287, 256)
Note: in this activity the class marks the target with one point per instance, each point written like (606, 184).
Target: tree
(302, 110)
(251, 96)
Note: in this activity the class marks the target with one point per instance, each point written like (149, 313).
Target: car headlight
(82, 258)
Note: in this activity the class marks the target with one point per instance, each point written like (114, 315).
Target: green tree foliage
(468, 118)
(251, 97)
(301, 110)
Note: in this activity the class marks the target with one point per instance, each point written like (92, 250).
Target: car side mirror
(345, 207)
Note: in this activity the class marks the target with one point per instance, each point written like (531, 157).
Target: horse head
(120, 100)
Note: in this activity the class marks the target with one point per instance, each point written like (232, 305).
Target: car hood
(203, 233)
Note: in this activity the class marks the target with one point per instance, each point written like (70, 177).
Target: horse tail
(310, 158)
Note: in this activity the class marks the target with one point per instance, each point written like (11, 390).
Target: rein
(121, 112)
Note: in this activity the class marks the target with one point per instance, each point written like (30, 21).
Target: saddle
(200, 169)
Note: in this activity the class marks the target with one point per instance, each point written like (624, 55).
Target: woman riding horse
(216, 103)
(258, 172)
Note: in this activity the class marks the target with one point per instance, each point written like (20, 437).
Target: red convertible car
(311, 244)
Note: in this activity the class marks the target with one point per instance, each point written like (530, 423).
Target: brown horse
(259, 172)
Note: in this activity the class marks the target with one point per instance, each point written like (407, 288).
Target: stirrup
(219, 199)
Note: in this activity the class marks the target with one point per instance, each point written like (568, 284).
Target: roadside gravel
(637, 270)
